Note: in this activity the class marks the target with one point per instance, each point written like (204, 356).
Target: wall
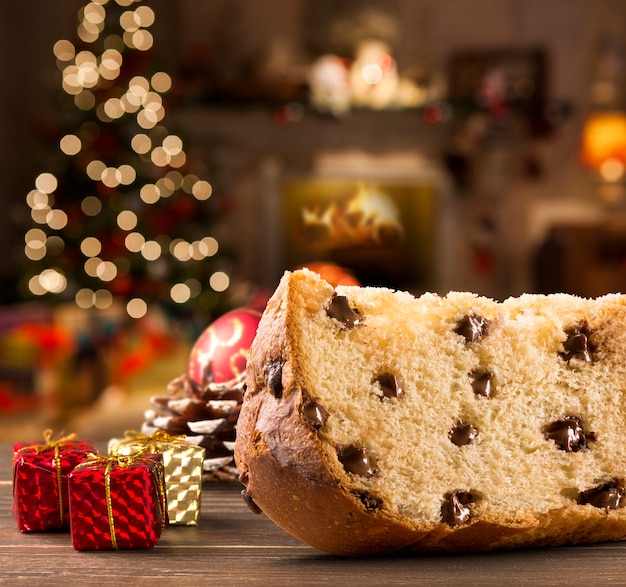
(427, 32)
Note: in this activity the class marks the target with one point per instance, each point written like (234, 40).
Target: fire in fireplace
(385, 231)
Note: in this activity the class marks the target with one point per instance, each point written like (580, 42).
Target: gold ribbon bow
(149, 441)
(50, 444)
(124, 461)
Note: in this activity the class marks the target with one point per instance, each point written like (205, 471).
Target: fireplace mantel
(250, 152)
(259, 129)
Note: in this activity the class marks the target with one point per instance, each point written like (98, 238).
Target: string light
(141, 143)
(137, 308)
(107, 271)
(161, 82)
(127, 220)
(64, 50)
(151, 250)
(181, 250)
(165, 186)
(183, 292)
(85, 73)
(95, 169)
(150, 193)
(70, 144)
(91, 206)
(211, 245)
(87, 298)
(35, 248)
(91, 246)
(50, 281)
(56, 219)
(103, 299)
(219, 281)
(39, 215)
(134, 242)
(37, 200)
(202, 190)
(180, 293)
(46, 183)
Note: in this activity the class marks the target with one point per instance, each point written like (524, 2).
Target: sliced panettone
(375, 421)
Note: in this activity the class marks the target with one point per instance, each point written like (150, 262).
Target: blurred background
(163, 162)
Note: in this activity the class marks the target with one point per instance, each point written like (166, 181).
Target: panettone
(376, 421)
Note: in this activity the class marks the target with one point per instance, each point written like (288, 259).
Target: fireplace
(386, 228)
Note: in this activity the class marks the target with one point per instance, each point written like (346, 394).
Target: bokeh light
(92, 77)
(137, 308)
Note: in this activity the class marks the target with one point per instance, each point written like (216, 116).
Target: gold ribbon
(49, 442)
(107, 497)
(55, 445)
(149, 441)
(124, 461)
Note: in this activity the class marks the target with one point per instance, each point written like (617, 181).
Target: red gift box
(118, 502)
(40, 481)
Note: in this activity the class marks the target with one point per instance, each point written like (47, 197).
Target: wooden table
(231, 546)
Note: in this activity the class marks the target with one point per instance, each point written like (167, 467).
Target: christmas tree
(125, 213)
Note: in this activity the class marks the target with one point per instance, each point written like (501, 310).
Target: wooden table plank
(233, 546)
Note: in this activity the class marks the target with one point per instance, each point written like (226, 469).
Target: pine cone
(207, 413)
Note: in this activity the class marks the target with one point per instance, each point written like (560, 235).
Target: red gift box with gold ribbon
(118, 502)
(40, 481)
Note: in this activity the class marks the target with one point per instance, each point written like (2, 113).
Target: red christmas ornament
(220, 353)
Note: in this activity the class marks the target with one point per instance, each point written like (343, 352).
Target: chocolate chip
(609, 496)
(314, 414)
(274, 376)
(473, 327)
(568, 434)
(339, 308)
(254, 508)
(463, 433)
(481, 382)
(578, 345)
(455, 510)
(356, 460)
(389, 385)
(369, 501)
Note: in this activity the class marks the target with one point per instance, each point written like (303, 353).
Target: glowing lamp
(604, 141)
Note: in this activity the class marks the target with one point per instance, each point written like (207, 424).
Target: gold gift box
(182, 462)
